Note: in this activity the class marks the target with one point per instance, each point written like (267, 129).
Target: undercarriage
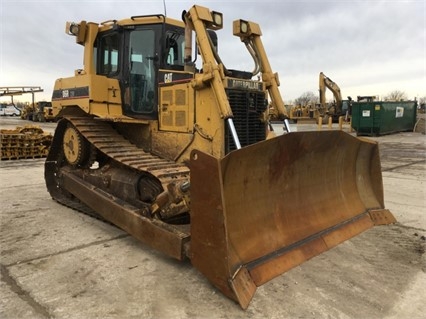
(94, 169)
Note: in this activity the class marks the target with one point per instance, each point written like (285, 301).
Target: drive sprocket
(76, 148)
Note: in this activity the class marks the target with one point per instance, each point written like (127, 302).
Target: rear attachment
(271, 206)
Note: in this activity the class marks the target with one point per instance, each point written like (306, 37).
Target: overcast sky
(367, 47)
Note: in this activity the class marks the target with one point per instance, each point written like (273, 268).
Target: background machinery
(39, 112)
(181, 157)
(339, 107)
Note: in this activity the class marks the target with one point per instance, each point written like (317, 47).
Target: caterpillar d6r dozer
(182, 158)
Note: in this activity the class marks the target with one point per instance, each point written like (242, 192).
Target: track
(105, 139)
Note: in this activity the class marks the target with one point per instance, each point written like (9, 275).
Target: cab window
(109, 48)
(175, 48)
(142, 70)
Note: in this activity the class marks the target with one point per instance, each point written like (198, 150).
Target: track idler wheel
(76, 148)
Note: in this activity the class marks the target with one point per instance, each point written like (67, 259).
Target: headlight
(74, 29)
(244, 26)
(217, 19)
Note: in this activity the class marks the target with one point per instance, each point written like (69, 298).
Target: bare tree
(422, 104)
(396, 95)
(306, 99)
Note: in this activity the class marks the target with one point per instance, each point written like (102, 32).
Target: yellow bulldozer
(183, 157)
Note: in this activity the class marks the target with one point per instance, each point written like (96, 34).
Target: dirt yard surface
(57, 263)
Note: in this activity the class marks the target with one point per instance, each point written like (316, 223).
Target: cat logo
(168, 77)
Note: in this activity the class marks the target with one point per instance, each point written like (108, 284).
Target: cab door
(140, 89)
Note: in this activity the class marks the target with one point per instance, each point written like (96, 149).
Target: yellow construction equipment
(28, 141)
(339, 107)
(303, 113)
(44, 112)
(181, 157)
(39, 112)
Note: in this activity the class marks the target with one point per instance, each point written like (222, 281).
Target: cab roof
(141, 20)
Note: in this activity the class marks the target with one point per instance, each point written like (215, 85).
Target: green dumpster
(376, 118)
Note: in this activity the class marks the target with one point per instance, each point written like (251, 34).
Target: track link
(107, 140)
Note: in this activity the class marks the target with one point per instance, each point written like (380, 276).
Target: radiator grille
(180, 97)
(247, 107)
(180, 119)
(167, 96)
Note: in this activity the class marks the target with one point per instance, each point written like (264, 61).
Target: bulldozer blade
(270, 206)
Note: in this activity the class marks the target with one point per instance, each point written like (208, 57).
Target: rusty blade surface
(268, 207)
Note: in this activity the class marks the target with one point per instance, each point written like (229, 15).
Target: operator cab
(134, 54)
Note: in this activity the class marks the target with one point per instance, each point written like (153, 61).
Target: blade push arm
(249, 33)
(199, 19)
